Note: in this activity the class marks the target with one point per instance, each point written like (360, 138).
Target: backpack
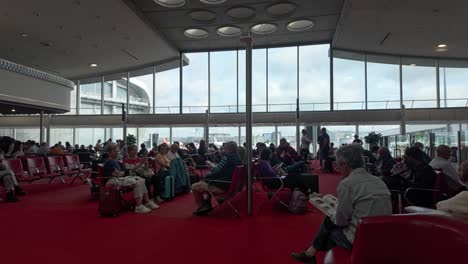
(297, 202)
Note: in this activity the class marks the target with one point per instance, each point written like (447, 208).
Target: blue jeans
(329, 236)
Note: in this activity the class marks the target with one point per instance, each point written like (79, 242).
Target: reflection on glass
(89, 136)
(258, 80)
(219, 135)
(187, 134)
(153, 135)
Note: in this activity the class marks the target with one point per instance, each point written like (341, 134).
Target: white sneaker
(152, 205)
(158, 200)
(142, 209)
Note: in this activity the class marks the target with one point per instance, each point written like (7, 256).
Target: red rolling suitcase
(110, 201)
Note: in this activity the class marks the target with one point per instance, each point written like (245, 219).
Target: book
(327, 204)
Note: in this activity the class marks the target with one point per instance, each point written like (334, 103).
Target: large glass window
(25, 134)
(265, 134)
(89, 136)
(282, 79)
(220, 135)
(141, 92)
(195, 79)
(453, 85)
(223, 81)
(187, 134)
(241, 80)
(341, 135)
(73, 101)
(61, 134)
(115, 93)
(349, 82)
(419, 83)
(90, 98)
(7, 132)
(258, 80)
(168, 91)
(383, 82)
(289, 133)
(151, 135)
(314, 78)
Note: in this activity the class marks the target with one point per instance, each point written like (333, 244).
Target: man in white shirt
(360, 194)
(442, 162)
(172, 154)
(459, 203)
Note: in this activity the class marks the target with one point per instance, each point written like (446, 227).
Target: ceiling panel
(172, 22)
(403, 27)
(75, 33)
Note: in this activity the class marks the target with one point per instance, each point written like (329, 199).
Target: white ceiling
(173, 21)
(80, 32)
(414, 27)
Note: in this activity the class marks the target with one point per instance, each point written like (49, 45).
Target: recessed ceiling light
(170, 3)
(196, 33)
(229, 31)
(281, 9)
(203, 16)
(24, 35)
(300, 25)
(442, 45)
(13, 110)
(213, 2)
(93, 65)
(241, 13)
(264, 28)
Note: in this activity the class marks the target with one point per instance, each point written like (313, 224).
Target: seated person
(161, 161)
(222, 171)
(8, 180)
(113, 170)
(360, 194)
(375, 152)
(442, 162)
(137, 166)
(286, 153)
(459, 203)
(385, 162)
(172, 154)
(154, 151)
(290, 181)
(426, 157)
(418, 174)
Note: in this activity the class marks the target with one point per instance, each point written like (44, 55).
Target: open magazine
(327, 204)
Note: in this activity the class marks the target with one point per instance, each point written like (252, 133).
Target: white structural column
(248, 116)
(41, 127)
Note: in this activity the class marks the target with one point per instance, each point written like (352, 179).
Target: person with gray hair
(223, 172)
(360, 194)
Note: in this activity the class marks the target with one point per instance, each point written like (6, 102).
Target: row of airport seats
(32, 168)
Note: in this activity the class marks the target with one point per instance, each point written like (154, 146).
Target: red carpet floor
(58, 223)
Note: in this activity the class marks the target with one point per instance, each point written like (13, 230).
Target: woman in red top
(139, 167)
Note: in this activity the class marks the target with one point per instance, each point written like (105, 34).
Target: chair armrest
(421, 210)
(210, 181)
(405, 195)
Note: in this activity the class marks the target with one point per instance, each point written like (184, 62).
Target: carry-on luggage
(168, 190)
(110, 201)
(310, 181)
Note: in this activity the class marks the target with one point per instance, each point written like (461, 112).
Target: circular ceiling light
(241, 13)
(24, 35)
(264, 28)
(300, 25)
(213, 2)
(93, 65)
(281, 9)
(229, 31)
(170, 3)
(442, 45)
(203, 16)
(196, 33)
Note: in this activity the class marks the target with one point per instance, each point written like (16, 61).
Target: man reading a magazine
(360, 194)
